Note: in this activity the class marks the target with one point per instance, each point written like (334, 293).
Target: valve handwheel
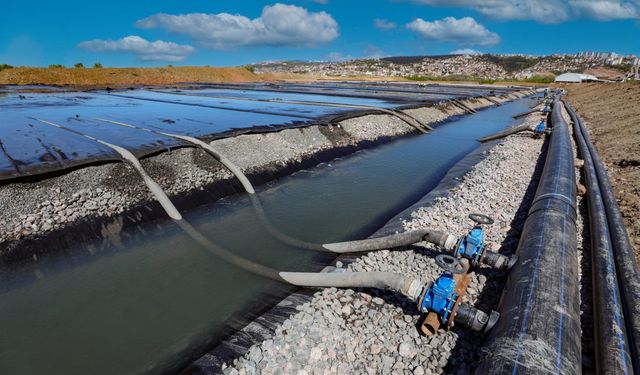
(451, 264)
(481, 219)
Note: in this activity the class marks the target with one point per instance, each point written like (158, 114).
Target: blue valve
(472, 246)
(546, 109)
(540, 128)
(440, 297)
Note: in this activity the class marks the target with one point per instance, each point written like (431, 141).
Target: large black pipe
(539, 329)
(619, 254)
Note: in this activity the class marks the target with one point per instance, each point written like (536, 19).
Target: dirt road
(612, 114)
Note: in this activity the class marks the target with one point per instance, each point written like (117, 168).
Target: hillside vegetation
(123, 76)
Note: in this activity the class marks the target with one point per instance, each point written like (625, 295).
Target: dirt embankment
(125, 76)
(612, 114)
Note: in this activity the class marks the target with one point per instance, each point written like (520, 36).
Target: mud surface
(611, 113)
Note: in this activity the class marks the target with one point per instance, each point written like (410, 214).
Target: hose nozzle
(498, 261)
(476, 320)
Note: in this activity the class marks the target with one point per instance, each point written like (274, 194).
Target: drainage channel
(155, 299)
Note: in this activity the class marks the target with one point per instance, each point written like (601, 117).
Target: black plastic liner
(30, 147)
(616, 310)
(353, 91)
(539, 327)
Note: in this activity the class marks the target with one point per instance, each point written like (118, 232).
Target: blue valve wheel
(481, 219)
(451, 264)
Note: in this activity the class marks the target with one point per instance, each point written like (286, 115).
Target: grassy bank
(57, 75)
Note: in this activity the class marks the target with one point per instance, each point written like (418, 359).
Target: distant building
(575, 78)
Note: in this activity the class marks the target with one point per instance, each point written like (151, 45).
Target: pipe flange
(451, 264)
(481, 219)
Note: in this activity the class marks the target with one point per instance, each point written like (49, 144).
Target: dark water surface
(156, 298)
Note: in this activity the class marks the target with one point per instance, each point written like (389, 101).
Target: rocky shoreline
(372, 331)
(97, 200)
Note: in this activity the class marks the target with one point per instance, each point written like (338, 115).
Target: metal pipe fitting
(476, 320)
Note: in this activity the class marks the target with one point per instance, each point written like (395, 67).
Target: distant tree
(78, 65)
(56, 66)
(250, 68)
(5, 66)
(97, 65)
(170, 66)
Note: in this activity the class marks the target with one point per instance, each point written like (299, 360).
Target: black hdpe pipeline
(410, 287)
(605, 213)
(539, 329)
(442, 240)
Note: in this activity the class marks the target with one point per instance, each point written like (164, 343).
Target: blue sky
(232, 32)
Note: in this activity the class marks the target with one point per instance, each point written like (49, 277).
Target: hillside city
(604, 65)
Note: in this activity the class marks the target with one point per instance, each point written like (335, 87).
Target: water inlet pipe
(626, 265)
(506, 133)
(412, 288)
(392, 241)
(377, 280)
(446, 241)
(539, 329)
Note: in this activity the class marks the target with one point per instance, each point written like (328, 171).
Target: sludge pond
(158, 299)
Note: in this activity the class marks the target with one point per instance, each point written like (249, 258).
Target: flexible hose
(440, 239)
(519, 115)
(396, 282)
(506, 133)
(382, 280)
(393, 241)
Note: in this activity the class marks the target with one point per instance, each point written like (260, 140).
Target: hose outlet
(499, 261)
(475, 319)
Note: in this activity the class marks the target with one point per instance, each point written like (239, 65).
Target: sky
(232, 32)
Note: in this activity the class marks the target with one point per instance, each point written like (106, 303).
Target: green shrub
(5, 66)
(539, 79)
(56, 66)
(78, 65)
(512, 63)
(97, 65)
(250, 68)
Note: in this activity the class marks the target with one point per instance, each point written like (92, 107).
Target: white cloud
(464, 31)
(465, 51)
(142, 48)
(604, 10)
(279, 25)
(546, 11)
(383, 24)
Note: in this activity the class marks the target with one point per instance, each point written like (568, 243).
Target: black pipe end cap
(512, 262)
(494, 316)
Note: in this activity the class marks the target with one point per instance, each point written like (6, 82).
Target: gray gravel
(371, 331)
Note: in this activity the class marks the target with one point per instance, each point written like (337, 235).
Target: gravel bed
(34, 208)
(373, 331)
